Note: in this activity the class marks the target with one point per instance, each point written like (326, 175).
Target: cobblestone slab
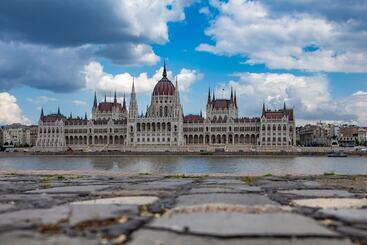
(227, 198)
(319, 193)
(182, 209)
(128, 200)
(84, 213)
(347, 215)
(154, 237)
(233, 224)
(71, 189)
(34, 216)
(33, 238)
(331, 202)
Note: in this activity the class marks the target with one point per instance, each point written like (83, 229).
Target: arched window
(166, 111)
(160, 111)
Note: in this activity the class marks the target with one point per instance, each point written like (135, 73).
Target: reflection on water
(191, 164)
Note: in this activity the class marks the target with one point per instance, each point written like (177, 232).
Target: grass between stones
(248, 179)
(183, 176)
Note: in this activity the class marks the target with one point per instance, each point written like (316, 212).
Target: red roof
(279, 114)
(53, 118)
(221, 103)
(193, 118)
(164, 87)
(107, 106)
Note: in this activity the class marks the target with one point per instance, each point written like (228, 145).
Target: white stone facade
(164, 127)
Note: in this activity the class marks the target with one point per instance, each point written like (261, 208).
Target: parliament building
(164, 126)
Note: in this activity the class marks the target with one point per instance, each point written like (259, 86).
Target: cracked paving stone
(227, 198)
(233, 224)
(163, 184)
(229, 189)
(278, 185)
(319, 193)
(34, 217)
(71, 189)
(221, 181)
(311, 184)
(83, 213)
(6, 207)
(155, 237)
(33, 238)
(347, 215)
(128, 200)
(331, 202)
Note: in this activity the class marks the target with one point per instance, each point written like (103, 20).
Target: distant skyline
(311, 54)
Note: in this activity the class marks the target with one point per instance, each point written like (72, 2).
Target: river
(258, 165)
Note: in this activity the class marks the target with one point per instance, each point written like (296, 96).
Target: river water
(191, 164)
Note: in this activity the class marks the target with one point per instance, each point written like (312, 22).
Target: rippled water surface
(191, 164)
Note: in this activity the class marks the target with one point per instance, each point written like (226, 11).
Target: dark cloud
(62, 23)
(334, 10)
(46, 43)
(58, 70)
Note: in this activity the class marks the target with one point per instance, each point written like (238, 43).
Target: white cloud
(10, 111)
(309, 95)
(285, 40)
(360, 93)
(97, 79)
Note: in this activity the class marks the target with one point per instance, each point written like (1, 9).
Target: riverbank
(167, 153)
(69, 207)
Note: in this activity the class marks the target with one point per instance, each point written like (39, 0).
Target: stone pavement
(178, 209)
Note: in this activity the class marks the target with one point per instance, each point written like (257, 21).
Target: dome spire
(42, 115)
(95, 99)
(164, 69)
(209, 98)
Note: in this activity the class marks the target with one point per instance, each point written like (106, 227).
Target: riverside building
(164, 127)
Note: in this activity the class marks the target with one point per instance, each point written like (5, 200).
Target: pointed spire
(133, 87)
(85, 116)
(164, 69)
(95, 100)
(133, 107)
(263, 108)
(115, 98)
(231, 94)
(58, 110)
(209, 98)
(105, 98)
(213, 95)
(124, 103)
(42, 115)
(284, 108)
(71, 115)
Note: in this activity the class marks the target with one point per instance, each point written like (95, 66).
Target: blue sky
(311, 54)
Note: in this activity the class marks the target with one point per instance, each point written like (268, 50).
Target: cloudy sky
(310, 53)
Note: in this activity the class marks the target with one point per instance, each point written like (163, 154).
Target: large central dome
(164, 86)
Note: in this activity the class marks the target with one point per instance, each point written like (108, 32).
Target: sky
(310, 54)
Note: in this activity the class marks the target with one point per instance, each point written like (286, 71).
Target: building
(348, 135)
(362, 136)
(1, 136)
(16, 135)
(164, 127)
(314, 135)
